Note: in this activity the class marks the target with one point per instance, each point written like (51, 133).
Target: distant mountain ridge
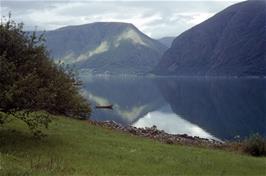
(167, 41)
(105, 47)
(231, 43)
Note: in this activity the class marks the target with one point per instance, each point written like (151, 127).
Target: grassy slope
(77, 148)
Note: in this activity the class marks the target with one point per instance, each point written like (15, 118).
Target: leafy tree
(30, 81)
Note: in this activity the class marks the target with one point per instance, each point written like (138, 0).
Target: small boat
(104, 106)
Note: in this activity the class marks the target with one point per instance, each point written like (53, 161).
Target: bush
(30, 81)
(255, 145)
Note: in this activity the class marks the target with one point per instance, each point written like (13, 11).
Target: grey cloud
(24, 6)
(156, 18)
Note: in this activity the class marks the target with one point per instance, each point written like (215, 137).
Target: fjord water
(217, 108)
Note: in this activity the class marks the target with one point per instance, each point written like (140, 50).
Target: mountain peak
(98, 24)
(105, 47)
(231, 43)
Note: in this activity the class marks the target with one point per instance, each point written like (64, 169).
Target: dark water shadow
(223, 107)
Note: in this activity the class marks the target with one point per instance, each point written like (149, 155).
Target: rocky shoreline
(159, 135)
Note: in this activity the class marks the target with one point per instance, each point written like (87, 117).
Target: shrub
(30, 81)
(255, 145)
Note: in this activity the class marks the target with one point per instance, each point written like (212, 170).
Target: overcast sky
(155, 18)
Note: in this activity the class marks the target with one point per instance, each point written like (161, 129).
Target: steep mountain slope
(105, 47)
(229, 43)
(167, 41)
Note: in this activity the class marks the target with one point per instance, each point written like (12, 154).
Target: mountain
(167, 41)
(105, 47)
(231, 43)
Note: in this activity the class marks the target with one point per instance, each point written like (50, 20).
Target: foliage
(255, 145)
(30, 81)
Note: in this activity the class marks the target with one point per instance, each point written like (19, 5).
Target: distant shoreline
(169, 76)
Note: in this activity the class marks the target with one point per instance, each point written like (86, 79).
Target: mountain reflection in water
(205, 107)
(165, 119)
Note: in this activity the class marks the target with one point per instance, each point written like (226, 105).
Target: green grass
(74, 147)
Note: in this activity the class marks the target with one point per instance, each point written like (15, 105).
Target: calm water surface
(215, 108)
